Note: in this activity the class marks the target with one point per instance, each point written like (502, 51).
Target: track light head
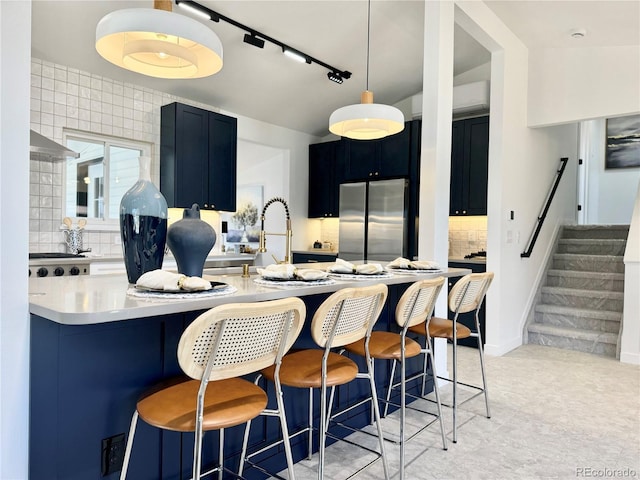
(295, 55)
(253, 40)
(335, 77)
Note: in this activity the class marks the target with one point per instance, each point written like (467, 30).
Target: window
(97, 180)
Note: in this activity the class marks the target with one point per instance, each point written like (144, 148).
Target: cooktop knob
(43, 272)
(58, 272)
(74, 271)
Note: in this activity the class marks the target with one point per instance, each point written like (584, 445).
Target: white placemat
(214, 292)
(360, 276)
(292, 283)
(406, 271)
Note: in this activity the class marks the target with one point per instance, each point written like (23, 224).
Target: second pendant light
(366, 120)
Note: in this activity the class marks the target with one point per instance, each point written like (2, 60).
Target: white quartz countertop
(88, 299)
(169, 258)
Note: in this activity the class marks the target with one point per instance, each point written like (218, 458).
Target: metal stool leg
(376, 409)
(220, 456)
(484, 378)
(390, 387)
(127, 452)
(285, 433)
(455, 389)
(310, 432)
(403, 405)
(436, 389)
(323, 421)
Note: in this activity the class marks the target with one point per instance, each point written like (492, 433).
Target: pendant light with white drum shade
(366, 120)
(159, 43)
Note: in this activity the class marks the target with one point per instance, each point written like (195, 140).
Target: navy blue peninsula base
(95, 350)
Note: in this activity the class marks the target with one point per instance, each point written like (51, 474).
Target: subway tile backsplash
(68, 98)
(467, 235)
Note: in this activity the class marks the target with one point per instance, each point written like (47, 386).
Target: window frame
(146, 149)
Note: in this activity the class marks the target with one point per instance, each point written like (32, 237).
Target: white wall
(296, 146)
(522, 163)
(609, 194)
(266, 166)
(80, 100)
(574, 84)
(479, 73)
(15, 50)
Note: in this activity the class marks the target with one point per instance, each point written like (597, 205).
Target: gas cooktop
(58, 264)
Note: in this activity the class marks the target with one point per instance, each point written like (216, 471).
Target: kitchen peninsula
(95, 349)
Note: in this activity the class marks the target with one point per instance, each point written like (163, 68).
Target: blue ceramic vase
(190, 240)
(143, 225)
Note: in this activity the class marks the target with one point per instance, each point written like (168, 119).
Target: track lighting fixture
(258, 39)
(253, 40)
(295, 55)
(335, 77)
(195, 11)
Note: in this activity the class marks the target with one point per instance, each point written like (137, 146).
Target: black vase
(143, 225)
(190, 240)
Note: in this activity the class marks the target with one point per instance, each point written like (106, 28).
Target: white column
(15, 70)
(435, 157)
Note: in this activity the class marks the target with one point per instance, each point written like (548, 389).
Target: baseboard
(632, 358)
(499, 350)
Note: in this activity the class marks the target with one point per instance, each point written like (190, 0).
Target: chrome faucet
(287, 234)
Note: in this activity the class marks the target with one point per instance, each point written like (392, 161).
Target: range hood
(42, 148)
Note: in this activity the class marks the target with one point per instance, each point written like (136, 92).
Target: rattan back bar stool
(344, 317)
(466, 296)
(414, 307)
(219, 346)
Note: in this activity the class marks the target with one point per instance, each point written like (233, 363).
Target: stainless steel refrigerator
(373, 220)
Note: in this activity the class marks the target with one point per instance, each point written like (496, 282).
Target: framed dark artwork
(622, 149)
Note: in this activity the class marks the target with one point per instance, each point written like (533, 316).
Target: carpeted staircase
(580, 306)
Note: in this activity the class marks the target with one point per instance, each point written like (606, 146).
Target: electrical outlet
(113, 454)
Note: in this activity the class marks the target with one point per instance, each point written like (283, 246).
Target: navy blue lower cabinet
(85, 382)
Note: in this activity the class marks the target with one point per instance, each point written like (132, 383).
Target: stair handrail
(545, 208)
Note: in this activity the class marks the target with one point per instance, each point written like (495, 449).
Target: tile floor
(556, 414)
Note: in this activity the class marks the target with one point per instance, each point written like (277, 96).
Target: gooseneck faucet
(287, 234)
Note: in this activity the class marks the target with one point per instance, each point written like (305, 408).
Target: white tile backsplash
(68, 98)
(467, 235)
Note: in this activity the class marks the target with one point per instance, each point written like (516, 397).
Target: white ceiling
(265, 85)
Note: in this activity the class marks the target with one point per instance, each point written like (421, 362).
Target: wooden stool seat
(385, 346)
(303, 369)
(442, 328)
(227, 403)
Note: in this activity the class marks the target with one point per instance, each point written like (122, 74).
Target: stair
(580, 305)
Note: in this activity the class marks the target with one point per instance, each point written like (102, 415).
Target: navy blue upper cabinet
(469, 166)
(325, 165)
(198, 150)
(377, 159)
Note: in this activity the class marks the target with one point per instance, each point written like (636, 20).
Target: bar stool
(344, 317)
(414, 307)
(221, 345)
(466, 296)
